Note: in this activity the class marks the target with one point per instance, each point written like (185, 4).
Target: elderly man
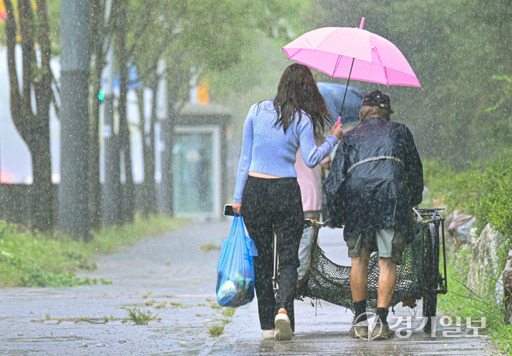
(376, 178)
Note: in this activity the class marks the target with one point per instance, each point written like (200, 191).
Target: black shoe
(382, 331)
(359, 330)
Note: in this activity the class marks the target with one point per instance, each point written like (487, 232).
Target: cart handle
(436, 216)
(315, 223)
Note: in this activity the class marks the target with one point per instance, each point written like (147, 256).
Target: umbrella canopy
(345, 52)
(333, 95)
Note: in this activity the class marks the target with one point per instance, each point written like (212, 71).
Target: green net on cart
(331, 282)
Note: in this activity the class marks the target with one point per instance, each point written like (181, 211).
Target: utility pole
(112, 185)
(73, 192)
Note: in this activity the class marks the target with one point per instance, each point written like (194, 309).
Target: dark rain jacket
(376, 178)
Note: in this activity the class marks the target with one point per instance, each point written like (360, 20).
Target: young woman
(267, 193)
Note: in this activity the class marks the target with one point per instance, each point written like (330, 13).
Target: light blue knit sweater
(267, 149)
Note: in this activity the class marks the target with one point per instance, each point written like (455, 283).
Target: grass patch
(484, 191)
(464, 303)
(229, 312)
(85, 319)
(42, 260)
(176, 305)
(209, 247)
(216, 331)
(37, 277)
(140, 317)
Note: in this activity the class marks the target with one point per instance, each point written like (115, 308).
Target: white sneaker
(268, 334)
(282, 324)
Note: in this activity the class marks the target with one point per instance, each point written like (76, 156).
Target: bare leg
(359, 276)
(387, 282)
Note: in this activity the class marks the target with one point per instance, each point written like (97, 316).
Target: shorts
(387, 242)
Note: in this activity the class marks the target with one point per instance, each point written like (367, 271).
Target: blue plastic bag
(235, 268)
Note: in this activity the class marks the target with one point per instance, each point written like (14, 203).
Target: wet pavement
(172, 277)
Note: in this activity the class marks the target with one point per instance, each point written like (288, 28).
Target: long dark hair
(297, 91)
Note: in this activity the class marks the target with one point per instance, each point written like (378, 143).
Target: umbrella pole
(346, 89)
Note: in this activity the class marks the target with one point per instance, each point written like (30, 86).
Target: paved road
(168, 275)
(323, 329)
(171, 276)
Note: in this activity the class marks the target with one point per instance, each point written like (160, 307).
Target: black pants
(274, 206)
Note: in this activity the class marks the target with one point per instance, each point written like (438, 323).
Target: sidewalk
(327, 331)
(171, 277)
(168, 276)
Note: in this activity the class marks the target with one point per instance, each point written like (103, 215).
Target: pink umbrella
(352, 53)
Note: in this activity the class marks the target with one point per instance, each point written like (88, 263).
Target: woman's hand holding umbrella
(337, 130)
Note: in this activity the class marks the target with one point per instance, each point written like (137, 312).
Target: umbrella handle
(346, 89)
(348, 79)
(349, 74)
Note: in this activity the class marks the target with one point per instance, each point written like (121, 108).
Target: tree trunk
(124, 131)
(149, 168)
(33, 122)
(97, 39)
(42, 209)
(95, 212)
(167, 176)
(145, 198)
(148, 152)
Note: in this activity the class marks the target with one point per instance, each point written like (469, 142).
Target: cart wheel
(431, 274)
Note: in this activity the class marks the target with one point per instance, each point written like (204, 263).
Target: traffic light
(101, 96)
(202, 93)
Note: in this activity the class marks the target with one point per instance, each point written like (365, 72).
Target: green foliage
(508, 91)
(140, 317)
(51, 261)
(196, 37)
(229, 312)
(216, 331)
(209, 247)
(254, 77)
(494, 191)
(53, 8)
(445, 186)
(455, 48)
(36, 277)
(462, 302)
(483, 191)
